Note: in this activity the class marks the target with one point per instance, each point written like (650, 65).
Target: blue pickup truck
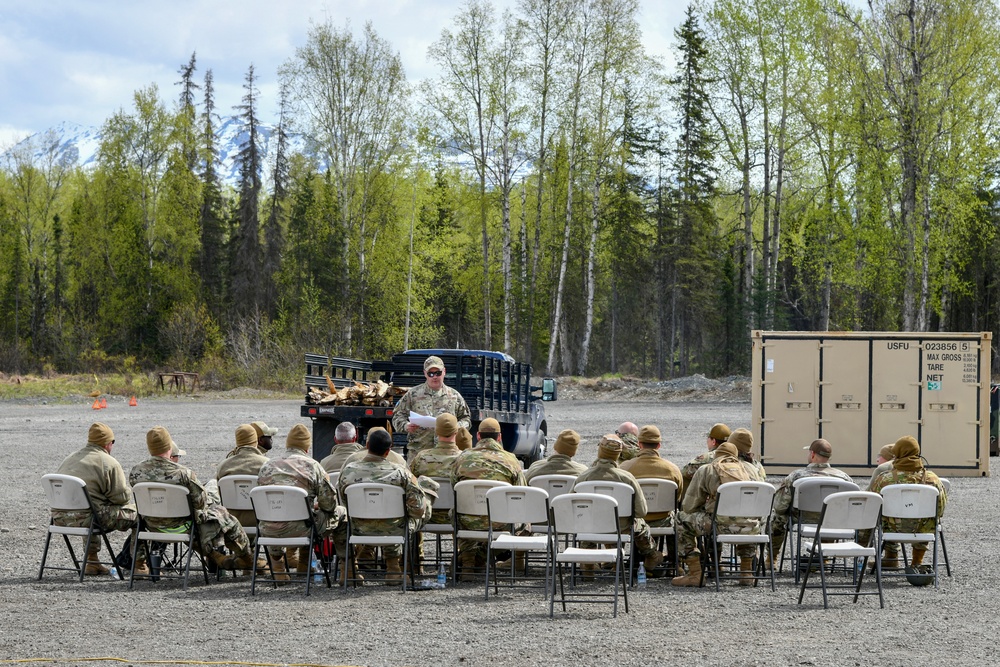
(492, 383)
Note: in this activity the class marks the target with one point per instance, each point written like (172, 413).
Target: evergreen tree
(274, 235)
(246, 253)
(211, 267)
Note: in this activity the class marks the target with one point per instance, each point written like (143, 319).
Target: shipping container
(863, 390)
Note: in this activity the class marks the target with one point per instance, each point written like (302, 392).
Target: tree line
(554, 192)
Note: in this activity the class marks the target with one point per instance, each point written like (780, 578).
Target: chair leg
(944, 552)
(45, 554)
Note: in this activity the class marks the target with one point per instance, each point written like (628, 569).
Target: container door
(895, 392)
(844, 400)
(790, 376)
(950, 401)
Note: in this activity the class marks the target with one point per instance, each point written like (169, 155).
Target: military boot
(746, 571)
(467, 565)
(94, 566)
(652, 560)
(918, 557)
(291, 559)
(302, 561)
(693, 577)
(278, 568)
(354, 568)
(393, 571)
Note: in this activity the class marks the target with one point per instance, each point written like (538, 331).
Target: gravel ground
(61, 621)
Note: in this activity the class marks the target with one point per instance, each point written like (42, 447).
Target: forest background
(553, 193)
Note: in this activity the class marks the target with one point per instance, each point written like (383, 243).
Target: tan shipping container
(862, 390)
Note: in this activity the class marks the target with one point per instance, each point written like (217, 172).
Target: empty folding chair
(66, 492)
(445, 501)
(911, 503)
(856, 511)
(807, 501)
(581, 515)
(158, 505)
(515, 506)
(744, 500)
(623, 493)
(661, 496)
(280, 504)
(372, 501)
(470, 501)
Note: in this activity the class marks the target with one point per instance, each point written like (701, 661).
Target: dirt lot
(60, 621)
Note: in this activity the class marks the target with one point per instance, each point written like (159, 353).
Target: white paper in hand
(423, 421)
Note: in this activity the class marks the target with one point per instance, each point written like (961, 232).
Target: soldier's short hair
(379, 442)
(345, 432)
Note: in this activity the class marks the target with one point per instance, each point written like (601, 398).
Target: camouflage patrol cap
(567, 443)
(246, 435)
(433, 362)
(298, 437)
(719, 432)
(446, 425)
(158, 441)
(463, 438)
(428, 486)
(100, 434)
(742, 439)
(610, 447)
(489, 426)
(649, 434)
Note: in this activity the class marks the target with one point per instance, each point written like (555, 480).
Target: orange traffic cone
(132, 402)
(96, 405)
(104, 403)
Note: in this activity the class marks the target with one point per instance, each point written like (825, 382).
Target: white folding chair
(512, 506)
(808, 494)
(580, 514)
(946, 483)
(470, 500)
(911, 501)
(746, 500)
(661, 496)
(445, 501)
(235, 492)
(854, 511)
(66, 492)
(369, 500)
(155, 500)
(284, 503)
(623, 494)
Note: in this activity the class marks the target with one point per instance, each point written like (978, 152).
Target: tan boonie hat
(100, 434)
(489, 425)
(433, 362)
(446, 425)
(742, 439)
(298, 438)
(158, 440)
(567, 443)
(886, 452)
(820, 447)
(610, 447)
(463, 438)
(262, 429)
(719, 432)
(649, 434)
(246, 435)
(175, 450)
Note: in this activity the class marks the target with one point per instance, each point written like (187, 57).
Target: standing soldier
(106, 485)
(432, 398)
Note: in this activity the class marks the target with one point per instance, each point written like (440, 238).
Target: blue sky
(82, 60)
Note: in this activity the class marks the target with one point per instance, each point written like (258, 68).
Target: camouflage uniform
(695, 517)
(630, 446)
(108, 490)
(216, 527)
(606, 470)
(436, 462)
(362, 454)
(784, 496)
(556, 464)
(300, 470)
(376, 469)
(425, 401)
(245, 461)
(894, 525)
(338, 457)
(688, 471)
(650, 465)
(487, 460)
(759, 475)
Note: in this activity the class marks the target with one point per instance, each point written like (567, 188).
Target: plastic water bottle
(317, 573)
(640, 577)
(114, 573)
(442, 578)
